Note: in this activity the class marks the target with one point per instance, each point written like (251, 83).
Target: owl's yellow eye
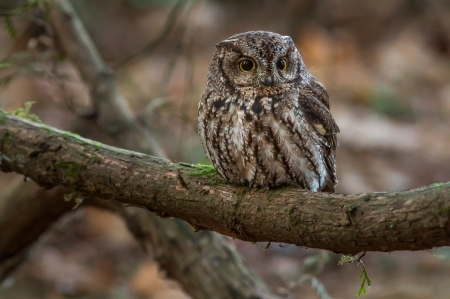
(281, 64)
(246, 65)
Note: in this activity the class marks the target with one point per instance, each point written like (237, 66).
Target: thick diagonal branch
(28, 210)
(100, 81)
(407, 220)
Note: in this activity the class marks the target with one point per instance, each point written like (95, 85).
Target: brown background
(386, 65)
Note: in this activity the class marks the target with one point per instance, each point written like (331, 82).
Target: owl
(263, 119)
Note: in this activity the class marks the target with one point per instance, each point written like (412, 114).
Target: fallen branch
(406, 220)
(28, 210)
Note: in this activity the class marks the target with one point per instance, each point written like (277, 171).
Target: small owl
(264, 120)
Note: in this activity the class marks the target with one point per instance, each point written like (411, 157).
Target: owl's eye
(281, 64)
(246, 65)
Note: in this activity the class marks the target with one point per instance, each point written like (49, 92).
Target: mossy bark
(405, 220)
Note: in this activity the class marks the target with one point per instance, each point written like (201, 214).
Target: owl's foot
(258, 187)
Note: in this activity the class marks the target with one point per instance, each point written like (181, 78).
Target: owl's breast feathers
(271, 140)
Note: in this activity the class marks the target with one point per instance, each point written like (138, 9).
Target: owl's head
(257, 59)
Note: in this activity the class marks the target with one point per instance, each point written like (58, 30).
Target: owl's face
(259, 59)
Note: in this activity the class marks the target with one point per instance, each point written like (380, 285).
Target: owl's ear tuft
(289, 40)
(228, 43)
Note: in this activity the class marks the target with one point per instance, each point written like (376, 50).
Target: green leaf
(4, 64)
(346, 259)
(24, 112)
(78, 202)
(9, 27)
(366, 280)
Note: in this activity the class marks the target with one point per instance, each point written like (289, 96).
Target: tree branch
(24, 217)
(406, 220)
(100, 81)
(158, 39)
(27, 211)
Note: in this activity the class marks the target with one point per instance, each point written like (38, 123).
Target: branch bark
(405, 220)
(26, 211)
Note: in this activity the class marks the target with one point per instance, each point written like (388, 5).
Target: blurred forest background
(385, 64)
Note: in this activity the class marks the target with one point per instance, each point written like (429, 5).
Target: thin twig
(151, 46)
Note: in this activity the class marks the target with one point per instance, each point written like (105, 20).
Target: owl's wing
(312, 104)
(319, 91)
(313, 101)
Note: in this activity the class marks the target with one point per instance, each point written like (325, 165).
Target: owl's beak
(268, 81)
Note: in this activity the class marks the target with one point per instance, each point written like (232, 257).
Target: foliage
(77, 198)
(4, 65)
(366, 280)
(346, 259)
(24, 8)
(25, 112)
(9, 27)
(19, 10)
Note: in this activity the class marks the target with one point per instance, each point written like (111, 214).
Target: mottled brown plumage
(263, 119)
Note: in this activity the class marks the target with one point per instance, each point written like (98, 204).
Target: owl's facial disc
(259, 60)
